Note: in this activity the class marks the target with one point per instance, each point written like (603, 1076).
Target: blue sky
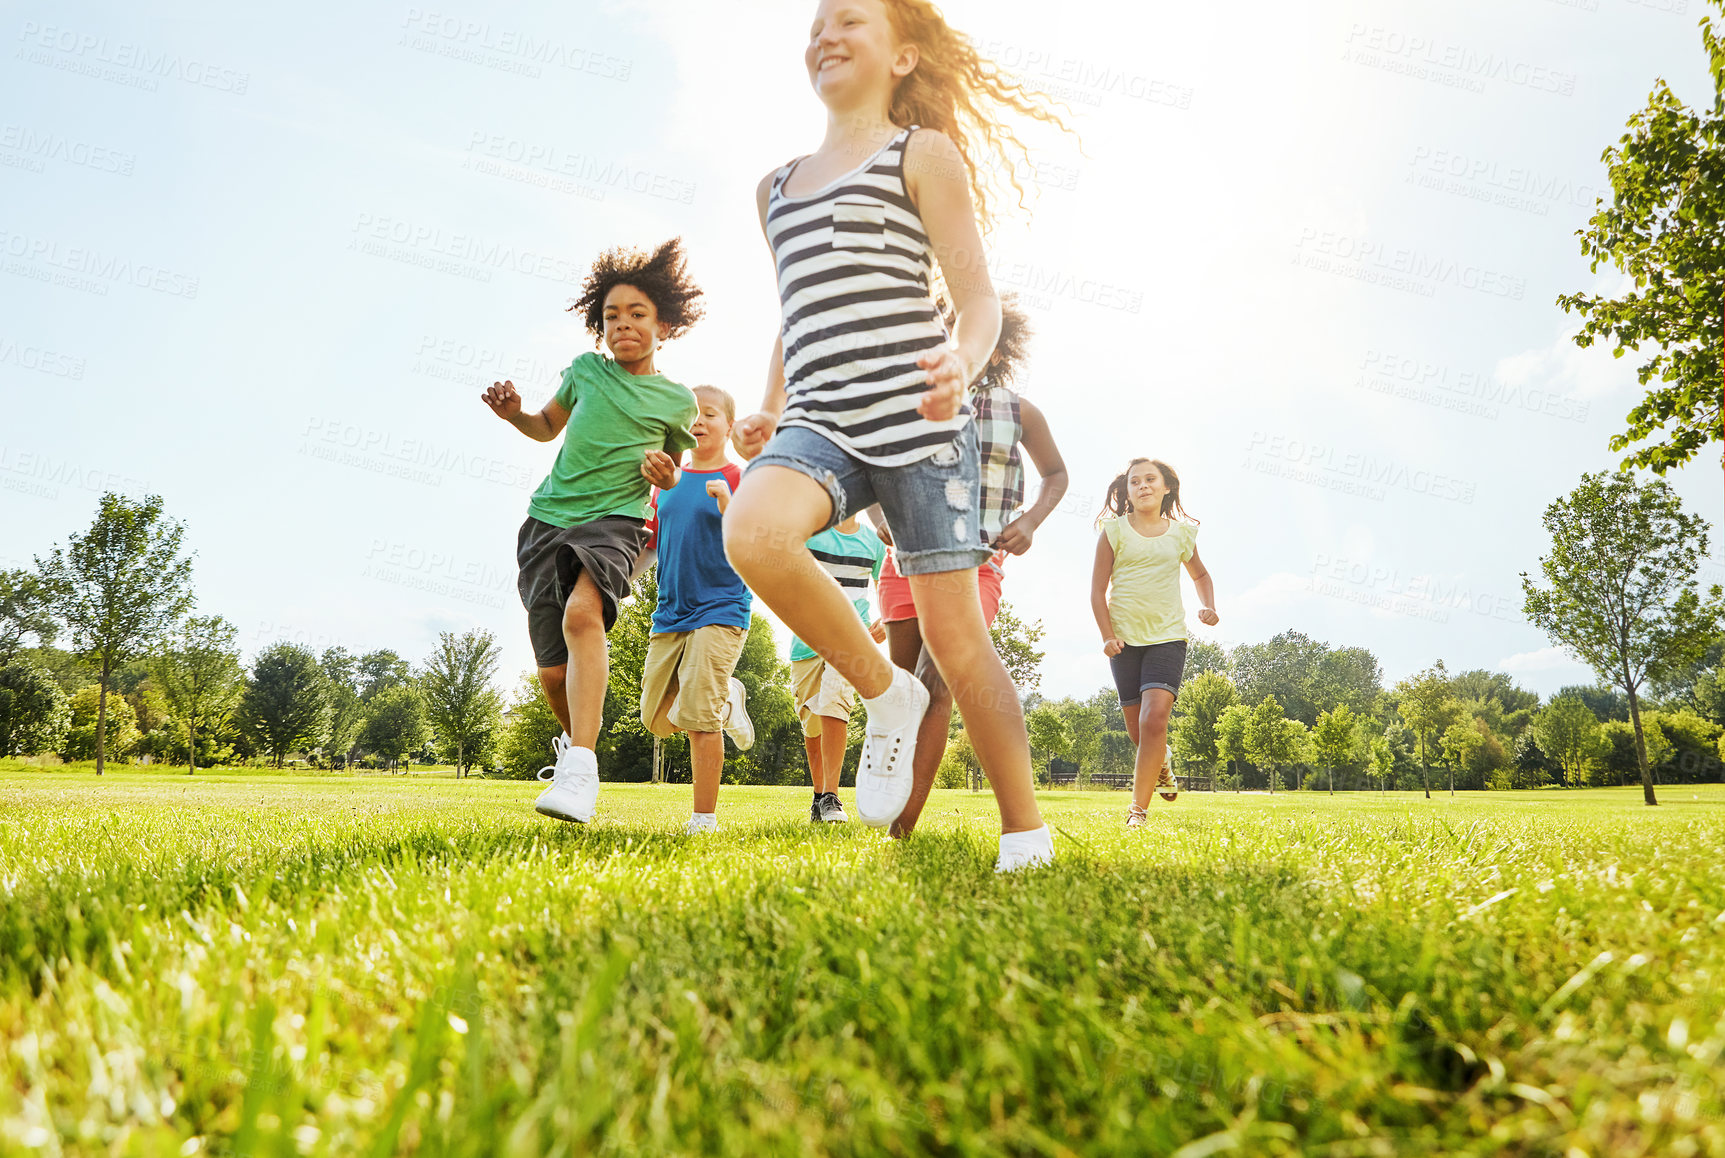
(263, 264)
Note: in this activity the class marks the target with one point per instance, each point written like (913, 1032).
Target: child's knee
(582, 616)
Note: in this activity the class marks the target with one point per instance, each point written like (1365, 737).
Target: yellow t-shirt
(1144, 601)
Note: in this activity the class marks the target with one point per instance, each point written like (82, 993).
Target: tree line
(147, 678)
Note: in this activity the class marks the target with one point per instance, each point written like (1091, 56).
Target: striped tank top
(856, 272)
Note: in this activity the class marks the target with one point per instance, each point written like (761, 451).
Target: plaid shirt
(998, 433)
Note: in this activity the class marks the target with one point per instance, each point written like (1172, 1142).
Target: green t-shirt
(615, 418)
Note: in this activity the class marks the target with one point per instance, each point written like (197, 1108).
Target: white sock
(1036, 840)
(704, 819)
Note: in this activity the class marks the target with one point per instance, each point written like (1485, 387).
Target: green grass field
(327, 965)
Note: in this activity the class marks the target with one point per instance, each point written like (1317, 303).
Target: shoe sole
(743, 743)
(555, 815)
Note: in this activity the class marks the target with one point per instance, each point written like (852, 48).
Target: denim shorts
(1143, 666)
(930, 504)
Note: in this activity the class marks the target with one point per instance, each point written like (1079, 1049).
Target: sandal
(1165, 785)
(1135, 817)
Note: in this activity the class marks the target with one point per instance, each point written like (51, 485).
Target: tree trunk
(192, 746)
(1452, 779)
(1332, 779)
(102, 720)
(1640, 747)
(1425, 772)
(460, 758)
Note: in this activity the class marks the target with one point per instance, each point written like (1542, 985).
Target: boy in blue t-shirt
(702, 619)
(852, 554)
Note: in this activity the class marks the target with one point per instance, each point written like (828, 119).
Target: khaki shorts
(821, 693)
(687, 678)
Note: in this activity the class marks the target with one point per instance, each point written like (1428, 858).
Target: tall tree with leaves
(395, 723)
(1665, 228)
(1016, 642)
(460, 703)
(118, 588)
(1622, 594)
(284, 705)
(1231, 738)
(1335, 740)
(1270, 743)
(1568, 732)
(25, 612)
(341, 673)
(34, 712)
(1428, 706)
(380, 670)
(200, 675)
(1048, 733)
(1197, 713)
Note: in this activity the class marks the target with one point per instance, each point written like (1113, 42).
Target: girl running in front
(866, 388)
(1004, 423)
(1135, 593)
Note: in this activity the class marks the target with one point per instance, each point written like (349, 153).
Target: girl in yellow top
(1135, 594)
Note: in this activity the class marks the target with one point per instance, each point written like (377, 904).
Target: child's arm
(1099, 576)
(751, 433)
(541, 427)
(938, 181)
(1017, 535)
(1206, 589)
(661, 469)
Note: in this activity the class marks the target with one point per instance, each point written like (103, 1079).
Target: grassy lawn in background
(276, 965)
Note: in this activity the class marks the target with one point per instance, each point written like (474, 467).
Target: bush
(34, 713)
(122, 727)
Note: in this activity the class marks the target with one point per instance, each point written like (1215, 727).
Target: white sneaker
(1022, 850)
(574, 790)
(701, 825)
(737, 722)
(889, 744)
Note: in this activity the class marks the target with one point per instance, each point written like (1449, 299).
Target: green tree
(1568, 734)
(1048, 732)
(1622, 595)
(1270, 744)
(98, 726)
(34, 712)
(778, 754)
(200, 676)
(1231, 737)
(529, 729)
(25, 611)
(1428, 708)
(1016, 642)
(1664, 227)
(118, 587)
(342, 680)
(1335, 740)
(1383, 762)
(1461, 741)
(1202, 656)
(1197, 715)
(394, 724)
(460, 704)
(283, 706)
(381, 670)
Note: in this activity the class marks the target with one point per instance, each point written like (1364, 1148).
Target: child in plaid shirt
(1004, 423)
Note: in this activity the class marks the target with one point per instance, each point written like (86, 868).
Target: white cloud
(1546, 659)
(1279, 589)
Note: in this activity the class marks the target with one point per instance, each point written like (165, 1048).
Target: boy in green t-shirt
(585, 524)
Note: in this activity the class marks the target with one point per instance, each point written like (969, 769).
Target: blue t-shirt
(697, 587)
(854, 560)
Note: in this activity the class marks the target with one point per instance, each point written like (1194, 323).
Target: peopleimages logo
(482, 254)
(94, 269)
(91, 51)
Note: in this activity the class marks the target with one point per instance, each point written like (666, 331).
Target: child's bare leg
(707, 760)
(589, 664)
(833, 739)
(957, 638)
(904, 644)
(555, 681)
(812, 746)
(1148, 728)
(767, 527)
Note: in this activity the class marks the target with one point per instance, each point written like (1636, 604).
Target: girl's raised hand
(1112, 647)
(750, 435)
(1208, 617)
(503, 400)
(947, 380)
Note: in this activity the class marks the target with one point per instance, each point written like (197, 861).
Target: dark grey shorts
(551, 558)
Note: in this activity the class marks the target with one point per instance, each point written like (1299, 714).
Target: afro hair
(663, 277)
(1011, 348)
